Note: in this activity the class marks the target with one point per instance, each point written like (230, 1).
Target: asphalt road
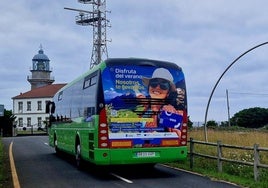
(37, 165)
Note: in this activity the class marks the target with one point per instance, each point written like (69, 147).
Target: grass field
(243, 137)
(240, 174)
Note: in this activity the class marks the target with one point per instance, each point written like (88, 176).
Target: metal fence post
(191, 153)
(219, 156)
(256, 162)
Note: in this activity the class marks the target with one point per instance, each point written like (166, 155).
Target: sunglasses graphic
(163, 85)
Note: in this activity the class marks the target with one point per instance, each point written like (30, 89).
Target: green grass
(5, 173)
(236, 173)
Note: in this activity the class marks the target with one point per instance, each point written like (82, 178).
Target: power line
(248, 93)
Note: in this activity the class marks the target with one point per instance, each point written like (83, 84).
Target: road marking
(16, 182)
(121, 178)
(46, 143)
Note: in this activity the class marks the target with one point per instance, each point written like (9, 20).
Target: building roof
(41, 92)
(40, 56)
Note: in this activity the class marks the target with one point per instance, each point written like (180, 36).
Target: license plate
(145, 154)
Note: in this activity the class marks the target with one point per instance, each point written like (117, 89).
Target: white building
(30, 107)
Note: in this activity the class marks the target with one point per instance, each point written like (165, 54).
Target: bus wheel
(78, 156)
(56, 145)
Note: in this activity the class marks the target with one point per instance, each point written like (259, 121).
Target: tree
(6, 123)
(212, 123)
(251, 118)
(190, 123)
(224, 124)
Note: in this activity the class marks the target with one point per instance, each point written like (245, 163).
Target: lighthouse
(41, 71)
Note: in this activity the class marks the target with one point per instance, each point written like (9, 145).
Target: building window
(29, 122)
(20, 122)
(39, 105)
(28, 105)
(20, 107)
(47, 102)
(39, 121)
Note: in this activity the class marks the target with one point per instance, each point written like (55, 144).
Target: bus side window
(88, 112)
(90, 81)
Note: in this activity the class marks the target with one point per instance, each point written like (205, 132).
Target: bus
(122, 111)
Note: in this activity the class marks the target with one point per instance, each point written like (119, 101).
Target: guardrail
(219, 157)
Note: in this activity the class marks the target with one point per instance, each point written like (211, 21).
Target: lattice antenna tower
(97, 19)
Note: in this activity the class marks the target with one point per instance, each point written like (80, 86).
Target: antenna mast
(97, 19)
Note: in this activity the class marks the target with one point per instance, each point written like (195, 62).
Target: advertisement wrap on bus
(144, 105)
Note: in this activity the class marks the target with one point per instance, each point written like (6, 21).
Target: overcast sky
(203, 37)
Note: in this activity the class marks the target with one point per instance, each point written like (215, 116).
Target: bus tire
(56, 144)
(78, 158)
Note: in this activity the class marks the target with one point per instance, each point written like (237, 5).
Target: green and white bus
(123, 111)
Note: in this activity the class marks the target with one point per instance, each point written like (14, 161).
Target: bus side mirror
(50, 107)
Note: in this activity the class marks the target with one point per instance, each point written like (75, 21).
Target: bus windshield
(145, 105)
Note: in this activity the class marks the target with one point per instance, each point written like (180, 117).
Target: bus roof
(141, 62)
(124, 61)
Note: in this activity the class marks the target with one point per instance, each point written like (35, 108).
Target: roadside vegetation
(6, 123)
(5, 173)
(236, 173)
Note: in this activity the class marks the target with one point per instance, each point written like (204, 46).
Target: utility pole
(228, 107)
(97, 19)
